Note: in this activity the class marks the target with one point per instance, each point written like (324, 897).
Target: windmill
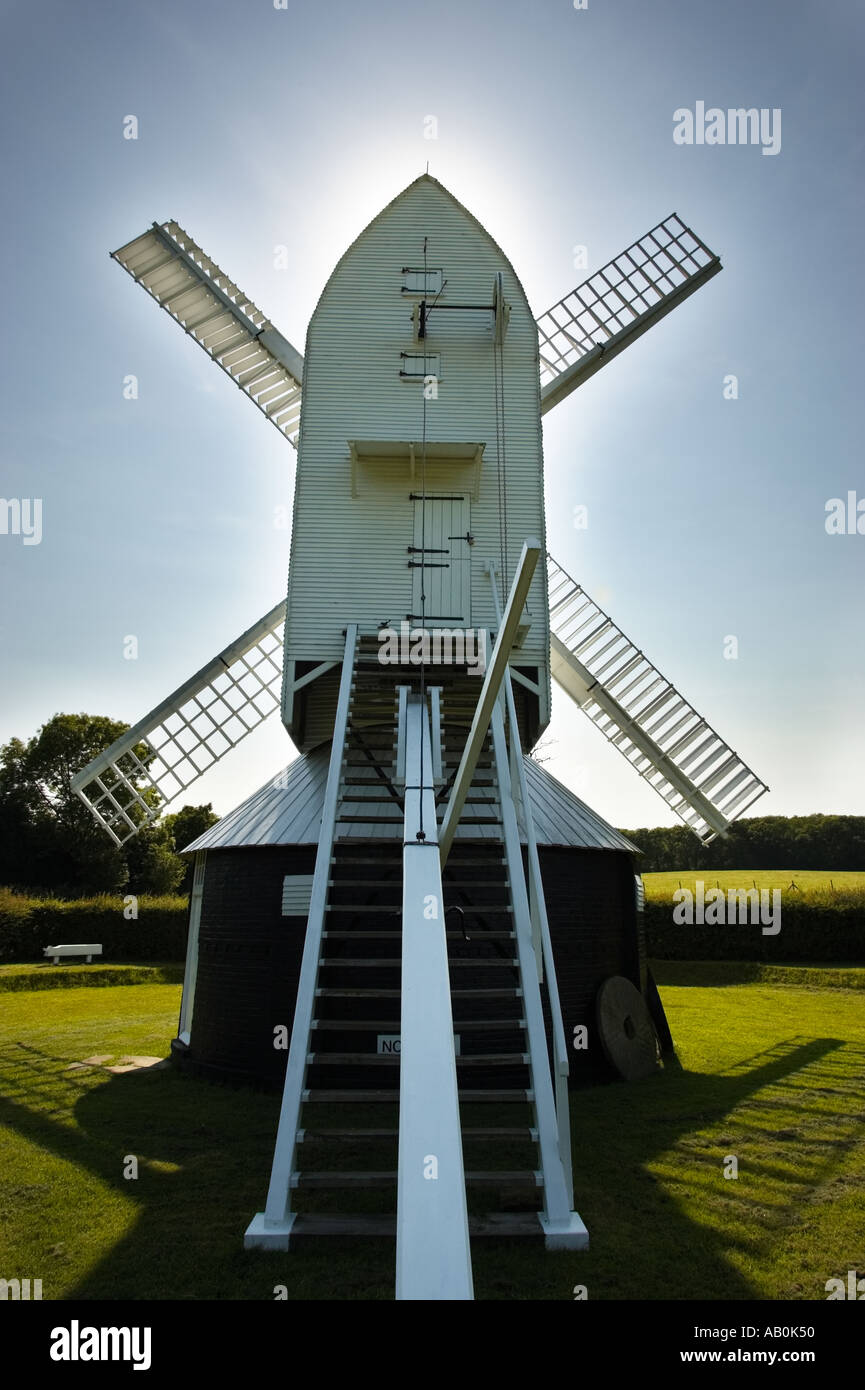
(414, 651)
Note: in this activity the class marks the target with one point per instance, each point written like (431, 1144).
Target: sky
(261, 127)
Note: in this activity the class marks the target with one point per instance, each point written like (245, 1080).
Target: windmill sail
(643, 715)
(601, 317)
(224, 321)
(189, 732)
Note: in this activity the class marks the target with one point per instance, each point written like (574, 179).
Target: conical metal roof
(287, 811)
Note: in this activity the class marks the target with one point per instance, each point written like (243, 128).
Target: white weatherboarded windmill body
(422, 625)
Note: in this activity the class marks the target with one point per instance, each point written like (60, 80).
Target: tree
(184, 826)
(153, 865)
(50, 839)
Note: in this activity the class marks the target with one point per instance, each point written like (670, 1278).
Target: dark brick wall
(250, 955)
(248, 963)
(593, 927)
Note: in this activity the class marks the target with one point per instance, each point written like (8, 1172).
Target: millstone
(626, 1029)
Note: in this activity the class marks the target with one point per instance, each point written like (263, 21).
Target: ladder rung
(394, 963)
(328, 1097)
(353, 1059)
(343, 1179)
(333, 992)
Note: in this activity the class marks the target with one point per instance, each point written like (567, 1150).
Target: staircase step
(365, 934)
(499, 1095)
(388, 909)
(522, 1133)
(301, 1179)
(353, 1059)
(489, 1178)
(395, 884)
(334, 993)
(392, 1059)
(389, 858)
(473, 1097)
(383, 910)
(496, 1224)
(345, 962)
(470, 962)
(380, 798)
(461, 857)
(324, 1096)
(486, 994)
(482, 961)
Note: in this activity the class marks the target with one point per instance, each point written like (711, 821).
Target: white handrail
(561, 1224)
(541, 926)
(561, 1066)
(273, 1226)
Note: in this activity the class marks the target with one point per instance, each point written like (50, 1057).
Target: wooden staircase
(348, 1128)
(349, 1123)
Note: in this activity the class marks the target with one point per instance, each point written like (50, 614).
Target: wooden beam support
(489, 692)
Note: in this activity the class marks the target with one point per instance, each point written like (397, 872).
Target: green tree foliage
(760, 842)
(49, 840)
(184, 826)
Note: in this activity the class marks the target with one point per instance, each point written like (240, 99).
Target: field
(819, 884)
(770, 1075)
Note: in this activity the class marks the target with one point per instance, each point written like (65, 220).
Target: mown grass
(770, 1074)
(71, 974)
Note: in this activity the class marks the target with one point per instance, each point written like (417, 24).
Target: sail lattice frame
(129, 785)
(618, 303)
(221, 318)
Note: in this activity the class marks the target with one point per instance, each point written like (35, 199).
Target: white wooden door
(440, 560)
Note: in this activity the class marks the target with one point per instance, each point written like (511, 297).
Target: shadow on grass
(204, 1154)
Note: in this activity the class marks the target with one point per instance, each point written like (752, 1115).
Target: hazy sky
(260, 127)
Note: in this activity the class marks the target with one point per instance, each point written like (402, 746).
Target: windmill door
(440, 560)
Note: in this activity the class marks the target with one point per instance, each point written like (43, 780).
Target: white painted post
(489, 692)
(433, 1256)
(271, 1228)
(190, 974)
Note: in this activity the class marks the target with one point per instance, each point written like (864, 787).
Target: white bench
(89, 949)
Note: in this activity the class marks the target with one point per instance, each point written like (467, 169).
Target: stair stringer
(271, 1229)
(563, 1228)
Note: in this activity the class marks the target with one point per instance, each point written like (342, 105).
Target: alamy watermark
(844, 518)
(19, 1290)
(22, 516)
(77, 1343)
(715, 907)
(434, 646)
(736, 126)
(853, 1289)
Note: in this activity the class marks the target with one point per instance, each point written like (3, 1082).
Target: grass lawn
(71, 973)
(769, 1073)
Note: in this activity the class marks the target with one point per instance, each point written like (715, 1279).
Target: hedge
(810, 931)
(705, 974)
(70, 975)
(832, 930)
(28, 924)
